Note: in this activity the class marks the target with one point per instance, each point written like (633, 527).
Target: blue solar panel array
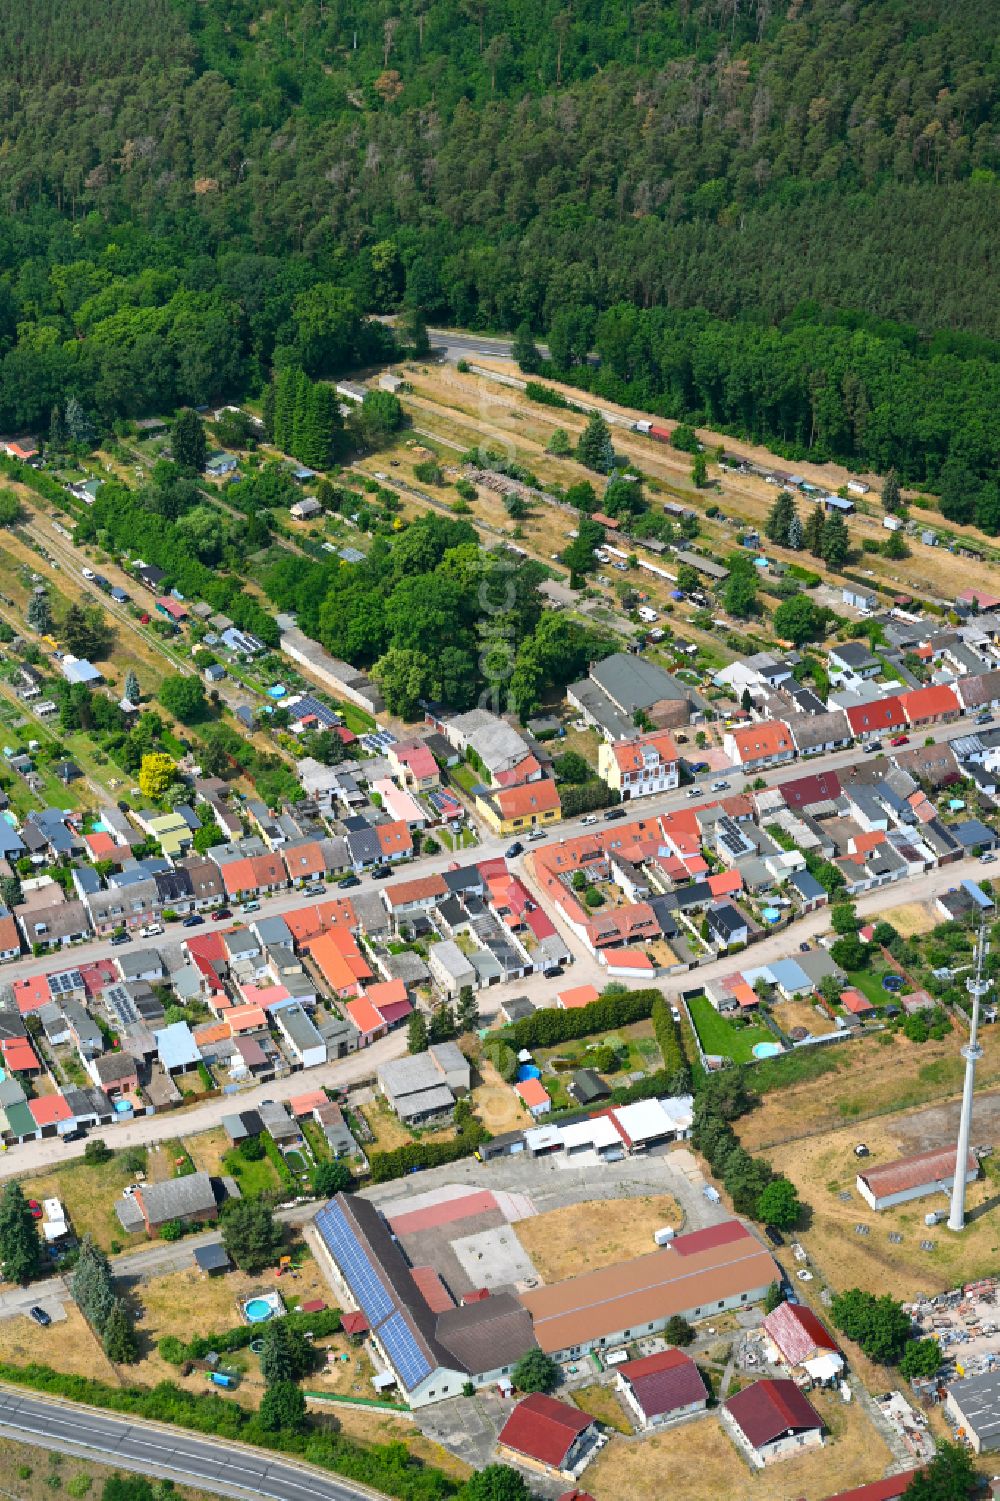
(332, 1224)
(403, 1350)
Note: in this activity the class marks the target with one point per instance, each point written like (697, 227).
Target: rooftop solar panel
(353, 1261)
(402, 1349)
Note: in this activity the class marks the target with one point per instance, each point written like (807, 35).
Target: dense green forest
(194, 189)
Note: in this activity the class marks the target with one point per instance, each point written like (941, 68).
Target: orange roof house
(244, 1019)
(395, 840)
(369, 1022)
(32, 993)
(930, 705)
(760, 744)
(305, 862)
(10, 938)
(579, 995)
(534, 1096)
(308, 922)
(339, 960)
(856, 1003)
(19, 1056)
(253, 874)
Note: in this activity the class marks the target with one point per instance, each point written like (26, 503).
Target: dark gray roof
(212, 1258)
(487, 1335)
(177, 1198)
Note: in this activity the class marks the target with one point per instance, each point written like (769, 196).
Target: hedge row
(548, 1028)
(417, 1155)
(385, 1467)
(668, 1040)
(177, 1352)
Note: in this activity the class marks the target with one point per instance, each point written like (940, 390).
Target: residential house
(757, 746)
(796, 1338)
(623, 685)
(772, 1420)
(640, 767)
(727, 926)
(880, 716)
(932, 705)
(116, 1074)
(422, 1088)
(450, 968)
(413, 763)
(513, 810)
(254, 875)
(303, 1040)
(190, 1199)
(819, 734)
(852, 659)
(661, 1388)
(549, 1436)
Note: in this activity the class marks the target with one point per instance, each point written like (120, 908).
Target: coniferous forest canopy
(779, 219)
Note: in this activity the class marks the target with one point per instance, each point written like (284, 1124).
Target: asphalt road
(166, 1453)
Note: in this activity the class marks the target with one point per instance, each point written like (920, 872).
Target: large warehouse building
(696, 1276)
(912, 1178)
(430, 1345)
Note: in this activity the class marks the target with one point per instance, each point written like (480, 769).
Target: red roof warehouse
(546, 1432)
(774, 1419)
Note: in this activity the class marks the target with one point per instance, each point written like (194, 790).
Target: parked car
(251, 906)
(220, 914)
(513, 850)
(590, 818)
(900, 740)
(720, 786)
(39, 1315)
(553, 971)
(118, 938)
(774, 1235)
(318, 890)
(987, 859)
(381, 873)
(985, 717)
(194, 921)
(873, 745)
(803, 947)
(346, 882)
(35, 1209)
(614, 813)
(535, 835)
(696, 791)
(88, 573)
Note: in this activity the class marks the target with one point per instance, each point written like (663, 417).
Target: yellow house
(515, 810)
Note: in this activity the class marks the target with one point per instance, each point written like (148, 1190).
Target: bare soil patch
(583, 1237)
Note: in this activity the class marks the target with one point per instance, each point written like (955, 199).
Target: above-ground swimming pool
(771, 914)
(892, 983)
(766, 1049)
(263, 1307)
(528, 1071)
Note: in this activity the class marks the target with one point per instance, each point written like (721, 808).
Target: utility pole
(972, 1052)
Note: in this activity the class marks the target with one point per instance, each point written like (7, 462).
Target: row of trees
(752, 1184)
(302, 417)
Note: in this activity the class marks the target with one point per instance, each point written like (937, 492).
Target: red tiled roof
(883, 714)
(725, 882)
(543, 1429)
(32, 993)
(420, 889)
(628, 959)
(394, 838)
(579, 995)
(253, 873)
(354, 1323)
(246, 1018)
(364, 1016)
(305, 1104)
(10, 939)
(629, 755)
(709, 1239)
(934, 702)
(769, 738)
(879, 1490)
(804, 791)
(532, 1092)
(663, 1382)
(49, 1110)
(103, 847)
(768, 1409)
(914, 1172)
(305, 860)
(19, 1055)
(530, 797)
(855, 1002)
(798, 1333)
(432, 1289)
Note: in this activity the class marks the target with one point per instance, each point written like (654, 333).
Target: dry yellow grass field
(602, 1403)
(495, 1102)
(698, 1459)
(207, 1149)
(370, 1426)
(88, 1194)
(340, 1377)
(68, 1345)
(584, 1237)
(912, 918)
(789, 1014)
(824, 1166)
(868, 1079)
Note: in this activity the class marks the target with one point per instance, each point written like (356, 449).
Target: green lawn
(869, 982)
(718, 1035)
(254, 1178)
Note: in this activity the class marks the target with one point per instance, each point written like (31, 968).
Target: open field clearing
(67, 1345)
(602, 1403)
(863, 1079)
(698, 1459)
(495, 1102)
(584, 1237)
(207, 1150)
(88, 1193)
(505, 415)
(913, 918)
(824, 1167)
(370, 1426)
(790, 1014)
